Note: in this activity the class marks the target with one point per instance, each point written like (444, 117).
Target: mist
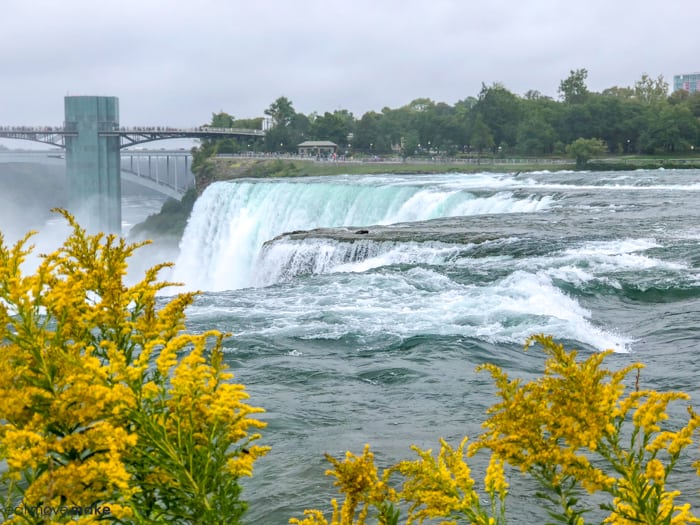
(30, 190)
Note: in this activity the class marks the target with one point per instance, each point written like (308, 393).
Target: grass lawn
(237, 167)
(283, 167)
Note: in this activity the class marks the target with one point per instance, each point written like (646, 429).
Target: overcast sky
(175, 62)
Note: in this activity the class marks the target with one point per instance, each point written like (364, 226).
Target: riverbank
(227, 168)
(232, 167)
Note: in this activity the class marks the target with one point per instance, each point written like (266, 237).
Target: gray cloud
(175, 62)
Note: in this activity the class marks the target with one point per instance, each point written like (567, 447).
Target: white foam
(419, 301)
(597, 259)
(613, 247)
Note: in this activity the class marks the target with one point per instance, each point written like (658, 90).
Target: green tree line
(641, 119)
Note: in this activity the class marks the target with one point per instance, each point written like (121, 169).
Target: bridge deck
(129, 136)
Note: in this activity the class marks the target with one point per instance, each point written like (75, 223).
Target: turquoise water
(349, 338)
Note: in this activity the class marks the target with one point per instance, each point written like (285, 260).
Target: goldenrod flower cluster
(433, 487)
(554, 427)
(107, 402)
(443, 486)
(356, 478)
(573, 430)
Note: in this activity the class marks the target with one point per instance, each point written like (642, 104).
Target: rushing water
(369, 330)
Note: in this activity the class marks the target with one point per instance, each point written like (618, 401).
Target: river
(368, 330)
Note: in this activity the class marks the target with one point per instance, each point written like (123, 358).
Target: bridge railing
(34, 129)
(71, 127)
(197, 129)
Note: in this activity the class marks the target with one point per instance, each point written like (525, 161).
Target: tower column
(93, 162)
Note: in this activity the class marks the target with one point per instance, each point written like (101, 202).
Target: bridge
(167, 172)
(93, 140)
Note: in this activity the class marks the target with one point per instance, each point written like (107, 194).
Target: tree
(281, 111)
(369, 130)
(610, 119)
(585, 149)
(221, 120)
(248, 123)
(535, 136)
(420, 115)
(233, 144)
(279, 138)
(533, 94)
(619, 92)
(573, 89)
(420, 104)
(690, 100)
(481, 138)
(251, 143)
(466, 105)
(446, 131)
(107, 403)
(409, 144)
(501, 111)
(672, 129)
(289, 128)
(649, 91)
(395, 124)
(203, 165)
(694, 104)
(334, 126)
(575, 122)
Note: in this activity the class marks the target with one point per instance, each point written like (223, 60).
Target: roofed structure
(317, 148)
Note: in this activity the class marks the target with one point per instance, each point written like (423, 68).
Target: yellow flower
(357, 479)
(86, 417)
(312, 517)
(442, 486)
(495, 480)
(570, 408)
(653, 410)
(656, 472)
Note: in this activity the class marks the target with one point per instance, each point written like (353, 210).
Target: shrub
(584, 150)
(574, 431)
(111, 410)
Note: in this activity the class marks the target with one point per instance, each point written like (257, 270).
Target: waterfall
(231, 221)
(282, 260)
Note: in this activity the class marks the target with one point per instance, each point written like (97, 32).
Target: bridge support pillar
(93, 162)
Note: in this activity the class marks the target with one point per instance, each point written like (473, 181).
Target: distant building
(689, 82)
(317, 148)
